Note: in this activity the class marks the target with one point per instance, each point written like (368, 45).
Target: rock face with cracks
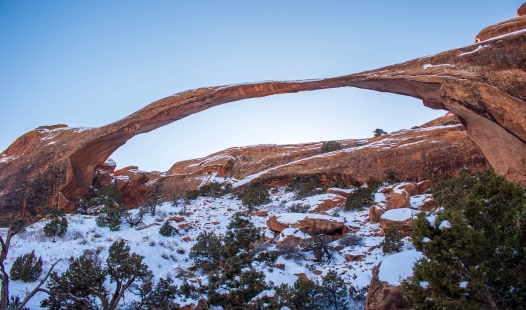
(484, 84)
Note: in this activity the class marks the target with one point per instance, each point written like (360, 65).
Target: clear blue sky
(89, 63)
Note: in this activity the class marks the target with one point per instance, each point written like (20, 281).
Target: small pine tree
(379, 132)
(206, 252)
(391, 176)
(330, 146)
(26, 268)
(475, 260)
(373, 184)
(255, 195)
(166, 229)
(306, 185)
(336, 293)
(358, 198)
(56, 227)
(392, 240)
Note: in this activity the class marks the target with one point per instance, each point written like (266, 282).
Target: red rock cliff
(483, 84)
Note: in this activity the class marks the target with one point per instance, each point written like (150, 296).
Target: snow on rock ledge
(401, 219)
(308, 223)
(398, 267)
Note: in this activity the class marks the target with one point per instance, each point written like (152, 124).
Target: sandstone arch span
(483, 84)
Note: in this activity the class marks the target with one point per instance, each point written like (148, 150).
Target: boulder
(375, 212)
(401, 219)
(292, 237)
(353, 257)
(423, 203)
(399, 198)
(385, 292)
(308, 223)
(329, 202)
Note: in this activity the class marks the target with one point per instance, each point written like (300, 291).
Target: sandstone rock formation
(400, 219)
(308, 223)
(382, 296)
(483, 84)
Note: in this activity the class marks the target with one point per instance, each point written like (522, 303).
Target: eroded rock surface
(483, 84)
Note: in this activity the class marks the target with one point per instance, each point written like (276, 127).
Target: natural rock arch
(483, 84)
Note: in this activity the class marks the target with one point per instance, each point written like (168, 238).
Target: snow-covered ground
(169, 255)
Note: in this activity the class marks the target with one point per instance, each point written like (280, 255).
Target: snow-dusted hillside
(169, 255)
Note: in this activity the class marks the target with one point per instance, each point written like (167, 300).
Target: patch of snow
(426, 240)
(463, 284)
(110, 162)
(401, 214)
(424, 284)
(474, 51)
(431, 220)
(293, 232)
(398, 267)
(292, 218)
(445, 224)
(427, 66)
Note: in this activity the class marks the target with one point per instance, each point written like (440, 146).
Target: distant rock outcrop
(483, 84)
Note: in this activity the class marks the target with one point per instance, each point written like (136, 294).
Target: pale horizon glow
(90, 63)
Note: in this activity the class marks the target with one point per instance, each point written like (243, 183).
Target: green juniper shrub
(83, 285)
(391, 177)
(483, 226)
(193, 194)
(358, 198)
(213, 190)
(379, 132)
(306, 185)
(113, 210)
(167, 229)
(26, 268)
(206, 252)
(56, 227)
(155, 296)
(336, 294)
(230, 262)
(299, 208)
(330, 146)
(373, 184)
(255, 194)
(352, 239)
(392, 240)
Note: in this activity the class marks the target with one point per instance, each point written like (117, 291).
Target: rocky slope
(483, 84)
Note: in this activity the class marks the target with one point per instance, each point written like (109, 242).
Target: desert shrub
(56, 227)
(373, 184)
(335, 292)
(290, 251)
(391, 176)
(113, 211)
(206, 252)
(351, 240)
(483, 227)
(304, 294)
(379, 132)
(237, 281)
(392, 240)
(358, 198)
(255, 195)
(330, 146)
(306, 185)
(299, 208)
(193, 194)
(135, 219)
(166, 229)
(320, 249)
(26, 268)
(84, 284)
(213, 190)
